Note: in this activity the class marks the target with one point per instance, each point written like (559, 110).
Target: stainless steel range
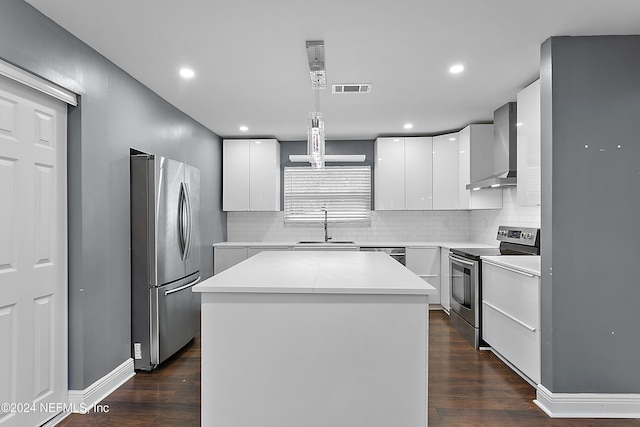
(466, 277)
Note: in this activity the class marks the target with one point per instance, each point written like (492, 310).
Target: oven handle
(456, 259)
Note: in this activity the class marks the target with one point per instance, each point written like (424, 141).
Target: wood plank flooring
(466, 388)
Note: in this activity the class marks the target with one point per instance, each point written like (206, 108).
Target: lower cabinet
(511, 317)
(445, 280)
(224, 258)
(425, 262)
(228, 256)
(251, 250)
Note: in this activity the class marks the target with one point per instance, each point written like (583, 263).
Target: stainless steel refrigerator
(165, 257)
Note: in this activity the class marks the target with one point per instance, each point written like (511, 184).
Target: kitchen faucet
(326, 234)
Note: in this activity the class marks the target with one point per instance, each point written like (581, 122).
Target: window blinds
(344, 192)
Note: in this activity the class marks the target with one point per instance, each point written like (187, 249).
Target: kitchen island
(315, 339)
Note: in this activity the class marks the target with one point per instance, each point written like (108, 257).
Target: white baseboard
(588, 405)
(97, 391)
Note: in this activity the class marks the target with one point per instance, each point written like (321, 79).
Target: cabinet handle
(484, 261)
(504, 313)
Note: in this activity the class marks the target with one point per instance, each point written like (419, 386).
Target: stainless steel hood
(505, 146)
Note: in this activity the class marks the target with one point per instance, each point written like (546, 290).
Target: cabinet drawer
(519, 345)
(224, 258)
(251, 251)
(514, 293)
(424, 262)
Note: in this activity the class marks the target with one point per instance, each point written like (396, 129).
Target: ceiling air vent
(351, 88)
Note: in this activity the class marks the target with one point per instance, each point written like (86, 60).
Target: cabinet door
(445, 280)
(425, 262)
(418, 162)
(445, 171)
(529, 145)
(389, 174)
(235, 175)
(251, 251)
(476, 141)
(224, 258)
(264, 175)
(464, 168)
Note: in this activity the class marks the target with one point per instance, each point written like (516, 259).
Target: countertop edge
(433, 244)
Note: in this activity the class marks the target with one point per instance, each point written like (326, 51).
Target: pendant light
(315, 134)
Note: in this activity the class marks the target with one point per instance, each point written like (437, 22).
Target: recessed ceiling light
(244, 128)
(187, 73)
(408, 126)
(455, 69)
(518, 124)
(452, 139)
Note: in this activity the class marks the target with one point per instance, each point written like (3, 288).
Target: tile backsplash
(483, 224)
(390, 226)
(386, 226)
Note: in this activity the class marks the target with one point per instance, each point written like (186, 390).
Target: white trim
(41, 85)
(106, 385)
(588, 405)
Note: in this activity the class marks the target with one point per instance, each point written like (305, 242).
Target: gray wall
(590, 209)
(115, 113)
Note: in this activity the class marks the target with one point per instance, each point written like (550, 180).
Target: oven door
(464, 288)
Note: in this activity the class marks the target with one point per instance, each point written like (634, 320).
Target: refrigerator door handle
(181, 288)
(189, 221)
(181, 222)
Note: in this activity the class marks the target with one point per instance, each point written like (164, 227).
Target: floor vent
(351, 88)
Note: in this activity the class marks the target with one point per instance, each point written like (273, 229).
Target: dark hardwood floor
(466, 388)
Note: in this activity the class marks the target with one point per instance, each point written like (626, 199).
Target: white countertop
(526, 263)
(447, 245)
(318, 272)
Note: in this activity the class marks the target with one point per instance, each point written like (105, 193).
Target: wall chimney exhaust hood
(505, 145)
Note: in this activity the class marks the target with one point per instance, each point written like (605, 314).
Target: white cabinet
(250, 175)
(418, 173)
(425, 262)
(476, 142)
(226, 257)
(511, 317)
(403, 174)
(445, 171)
(529, 145)
(253, 250)
(445, 280)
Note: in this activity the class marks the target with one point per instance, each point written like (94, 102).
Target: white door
(33, 256)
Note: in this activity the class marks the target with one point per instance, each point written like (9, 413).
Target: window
(344, 192)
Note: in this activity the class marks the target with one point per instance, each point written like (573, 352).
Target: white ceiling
(251, 65)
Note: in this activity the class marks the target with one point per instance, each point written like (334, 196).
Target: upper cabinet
(445, 171)
(529, 145)
(403, 174)
(250, 175)
(425, 173)
(475, 150)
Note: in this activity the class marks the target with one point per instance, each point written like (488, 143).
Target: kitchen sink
(330, 242)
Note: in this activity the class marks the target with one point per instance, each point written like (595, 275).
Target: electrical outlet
(137, 350)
